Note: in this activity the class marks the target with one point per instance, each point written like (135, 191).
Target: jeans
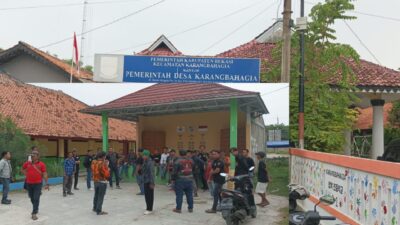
(76, 178)
(34, 192)
(203, 180)
(184, 186)
(6, 188)
(211, 188)
(99, 193)
(139, 180)
(217, 195)
(67, 183)
(124, 170)
(114, 170)
(163, 171)
(149, 196)
(88, 177)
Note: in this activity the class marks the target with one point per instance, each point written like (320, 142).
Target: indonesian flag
(75, 54)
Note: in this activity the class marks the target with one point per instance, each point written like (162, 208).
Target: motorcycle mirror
(251, 168)
(327, 199)
(223, 174)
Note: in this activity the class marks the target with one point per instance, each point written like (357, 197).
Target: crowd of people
(185, 172)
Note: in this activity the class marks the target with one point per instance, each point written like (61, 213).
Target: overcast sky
(43, 25)
(275, 96)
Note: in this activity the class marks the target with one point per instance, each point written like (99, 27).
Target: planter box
(20, 185)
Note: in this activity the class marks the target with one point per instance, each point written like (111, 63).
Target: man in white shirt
(163, 163)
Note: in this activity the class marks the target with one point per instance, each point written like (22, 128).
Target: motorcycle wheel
(227, 215)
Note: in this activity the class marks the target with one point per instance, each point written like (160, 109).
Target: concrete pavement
(123, 206)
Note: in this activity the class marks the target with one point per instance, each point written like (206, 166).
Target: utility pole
(82, 52)
(285, 70)
(302, 26)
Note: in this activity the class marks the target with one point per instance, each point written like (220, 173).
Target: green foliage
(14, 140)
(327, 112)
(278, 170)
(55, 168)
(88, 68)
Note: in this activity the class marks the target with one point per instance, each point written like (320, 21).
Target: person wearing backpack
(5, 176)
(35, 172)
(87, 163)
(183, 181)
(101, 175)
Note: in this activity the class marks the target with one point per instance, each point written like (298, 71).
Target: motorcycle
(310, 217)
(234, 204)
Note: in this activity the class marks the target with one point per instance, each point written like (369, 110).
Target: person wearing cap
(182, 177)
(148, 181)
(262, 179)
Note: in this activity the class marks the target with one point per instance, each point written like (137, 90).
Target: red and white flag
(75, 57)
(76, 54)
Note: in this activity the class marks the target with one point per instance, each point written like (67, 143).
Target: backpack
(186, 167)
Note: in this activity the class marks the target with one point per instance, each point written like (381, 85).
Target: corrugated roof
(44, 112)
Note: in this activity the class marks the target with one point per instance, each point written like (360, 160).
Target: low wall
(366, 191)
(20, 185)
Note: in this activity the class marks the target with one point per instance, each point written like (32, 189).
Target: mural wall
(365, 197)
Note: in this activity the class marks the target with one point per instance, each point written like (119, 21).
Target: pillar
(233, 138)
(248, 129)
(104, 120)
(347, 142)
(377, 128)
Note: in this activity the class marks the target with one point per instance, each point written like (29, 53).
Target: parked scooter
(234, 204)
(310, 217)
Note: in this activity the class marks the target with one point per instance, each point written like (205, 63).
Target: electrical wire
(104, 25)
(362, 43)
(237, 29)
(188, 29)
(65, 5)
(365, 13)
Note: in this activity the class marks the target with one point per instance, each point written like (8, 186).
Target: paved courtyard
(123, 206)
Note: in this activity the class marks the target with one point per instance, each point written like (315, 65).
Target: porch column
(104, 120)
(377, 128)
(233, 138)
(233, 129)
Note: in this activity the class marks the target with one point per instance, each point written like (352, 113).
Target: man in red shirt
(35, 171)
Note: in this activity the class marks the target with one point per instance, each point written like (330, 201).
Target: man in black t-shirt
(217, 168)
(138, 172)
(77, 163)
(262, 179)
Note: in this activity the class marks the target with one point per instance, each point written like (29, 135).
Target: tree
(69, 62)
(86, 67)
(328, 111)
(14, 140)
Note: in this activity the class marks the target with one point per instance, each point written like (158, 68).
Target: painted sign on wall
(165, 69)
(365, 197)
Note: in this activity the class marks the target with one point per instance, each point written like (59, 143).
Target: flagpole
(72, 65)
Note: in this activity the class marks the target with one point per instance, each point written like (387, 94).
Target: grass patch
(278, 169)
(284, 214)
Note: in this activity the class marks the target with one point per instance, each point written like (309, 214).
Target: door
(153, 140)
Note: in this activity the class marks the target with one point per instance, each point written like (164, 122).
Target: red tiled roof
(371, 74)
(160, 51)
(367, 74)
(166, 93)
(44, 112)
(253, 49)
(365, 117)
(86, 75)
